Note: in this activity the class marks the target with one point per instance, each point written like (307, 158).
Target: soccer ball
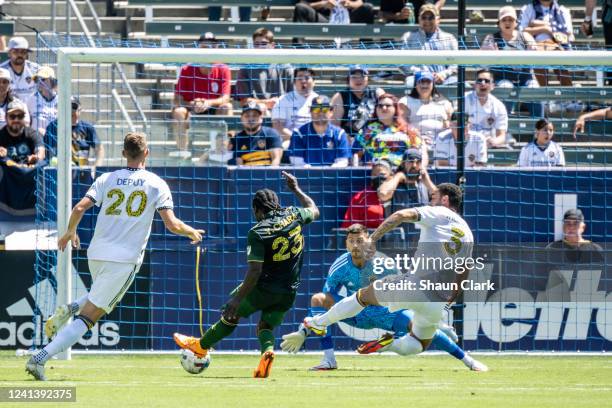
(193, 364)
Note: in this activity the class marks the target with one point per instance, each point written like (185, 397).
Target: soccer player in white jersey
(22, 70)
(542, 151)
(443, 234)
(128, 199)
(43, 104)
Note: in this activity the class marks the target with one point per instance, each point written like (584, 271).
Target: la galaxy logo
(490, 120)
(551, 154)
(330, 144)
(28, 79)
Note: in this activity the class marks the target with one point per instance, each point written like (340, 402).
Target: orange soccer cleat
(265, 365)
(190, 343)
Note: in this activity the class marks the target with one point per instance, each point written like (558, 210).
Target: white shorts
(427, 316)
(110, 282)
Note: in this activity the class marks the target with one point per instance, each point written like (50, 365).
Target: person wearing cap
(85, 141)
(263, 84)
(542, 151)
(550, 24)
(365, 207)
(19, 143)
(575, 248)
(292, 110)
(43, 104)
(354, 106)
(21, 69)
(199, 90)
(256, 145)
(386, 136)
(319, 143)
(429, 36)
(7, 96)
(410, 186)
(426, 109)
(486, 125)
(509, 38)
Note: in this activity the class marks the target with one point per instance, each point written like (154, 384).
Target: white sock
(467, 360)
(347, 307)
(329, 355)
(80, 302)
(65, 338)
(405, 345)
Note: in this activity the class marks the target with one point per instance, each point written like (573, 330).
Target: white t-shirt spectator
(22, 84)
(534, 156)
(293, 109)
(487, 118)
(528, 14)
(429, 118)
(43, 111)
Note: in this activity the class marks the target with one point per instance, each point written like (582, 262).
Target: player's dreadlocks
(266, 200)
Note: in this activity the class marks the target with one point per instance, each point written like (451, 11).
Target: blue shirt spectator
(319, 143)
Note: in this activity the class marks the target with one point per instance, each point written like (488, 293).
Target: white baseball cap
(506, 11)
(5, 74)
(18, 43)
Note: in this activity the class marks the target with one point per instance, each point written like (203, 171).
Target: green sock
(217, 332)
(266, 340)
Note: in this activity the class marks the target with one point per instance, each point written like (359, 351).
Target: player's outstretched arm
(305, 200)
(178, 227)
(73, 222)
(393, 221)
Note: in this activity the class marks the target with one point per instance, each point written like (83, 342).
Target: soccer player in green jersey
(275, 249)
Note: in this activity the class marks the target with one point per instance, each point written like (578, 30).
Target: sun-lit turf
(361, 381)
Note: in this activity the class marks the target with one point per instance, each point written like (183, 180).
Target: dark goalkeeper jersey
(277, 241)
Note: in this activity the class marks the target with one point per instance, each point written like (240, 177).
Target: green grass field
(361, 381)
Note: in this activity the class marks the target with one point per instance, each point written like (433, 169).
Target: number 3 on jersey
(113, 209)
(454, 246)
(282, 242)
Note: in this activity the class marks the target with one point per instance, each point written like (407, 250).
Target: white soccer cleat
(57, 320)
(325, 365)
(293, 342)
(35, 369)
(449, 331)
(476, 365)
(317, 329)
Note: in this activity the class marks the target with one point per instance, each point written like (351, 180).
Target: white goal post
(67, 56)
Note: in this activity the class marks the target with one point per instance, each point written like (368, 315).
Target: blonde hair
(134, 144)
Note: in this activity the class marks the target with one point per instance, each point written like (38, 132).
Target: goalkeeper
(352, 271)
(274, 253)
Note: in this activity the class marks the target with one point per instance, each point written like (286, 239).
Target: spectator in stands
(429, 37)
(292, 110)
(21, 150)
(43, 104)
(486, 125)
(85, 141)
(398, 11)
(365, 207)
(355, 105)
(606, 22)
(509, 38)
(200, 90)
(551, 26)
(256, 145)
(542, 151)
(262, 84)
(21, 69)
(600, 114)
(2, 38)
(575, 248)
(7, 96)
(410, 186)
(214, 13)
(426, 109)
(386, 136)
(319, 143)
(332, 11)
(219, 154)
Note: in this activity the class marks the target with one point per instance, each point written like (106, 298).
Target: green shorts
(273, 306)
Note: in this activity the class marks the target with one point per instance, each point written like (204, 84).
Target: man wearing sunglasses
(7, 95)
(429, 37)
(319, 143)
(21, 69)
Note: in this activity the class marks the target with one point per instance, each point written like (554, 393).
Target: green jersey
(277, 241)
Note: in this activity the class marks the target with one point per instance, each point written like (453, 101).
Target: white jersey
(534, 156)
(43, 111)
(444, 234)
(22, 84)
(430, 118)
(293, 110)
(128, 199)
(475, 149)
(487, 118)
(3, 109)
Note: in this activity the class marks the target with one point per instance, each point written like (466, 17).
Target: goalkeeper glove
(292, 342)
